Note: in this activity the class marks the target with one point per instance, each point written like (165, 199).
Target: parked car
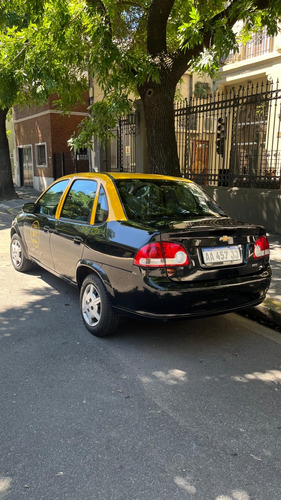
(149, 246)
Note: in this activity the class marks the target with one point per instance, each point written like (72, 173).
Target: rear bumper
(163, 299)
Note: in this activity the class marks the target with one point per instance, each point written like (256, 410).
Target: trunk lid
(219, 248)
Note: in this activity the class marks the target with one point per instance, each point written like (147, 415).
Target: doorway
(26, 166)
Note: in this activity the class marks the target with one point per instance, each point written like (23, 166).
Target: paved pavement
(269, 311)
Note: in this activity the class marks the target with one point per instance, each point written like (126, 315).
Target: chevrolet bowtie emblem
(224, 238)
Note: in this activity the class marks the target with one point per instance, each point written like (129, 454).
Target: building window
(41, 155)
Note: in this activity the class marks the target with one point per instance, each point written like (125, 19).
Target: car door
(40, 225)
(72, 228)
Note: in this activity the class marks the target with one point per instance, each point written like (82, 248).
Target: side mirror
(29, 208)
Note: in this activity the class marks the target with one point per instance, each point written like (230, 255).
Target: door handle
(78, 240)
(48, 229)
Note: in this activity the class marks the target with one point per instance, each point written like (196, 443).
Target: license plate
(222, 255)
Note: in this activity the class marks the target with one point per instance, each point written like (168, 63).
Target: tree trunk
(158, 105)
(7, 190)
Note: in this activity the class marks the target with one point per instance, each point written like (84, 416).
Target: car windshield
(146, 199)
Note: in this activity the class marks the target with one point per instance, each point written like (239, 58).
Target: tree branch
(158, 15)
(182, 56)
(99, 6)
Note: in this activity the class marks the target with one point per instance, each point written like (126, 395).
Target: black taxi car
(144, 245)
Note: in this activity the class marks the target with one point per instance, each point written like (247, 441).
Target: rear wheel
(18, 258)
(97, 313)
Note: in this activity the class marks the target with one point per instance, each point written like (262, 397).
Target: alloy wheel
(16, 253)
(91, 305)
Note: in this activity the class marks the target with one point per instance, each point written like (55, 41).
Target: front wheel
(18, 258)
(97, 313)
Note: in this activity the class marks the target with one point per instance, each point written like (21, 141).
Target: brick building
(41, 149)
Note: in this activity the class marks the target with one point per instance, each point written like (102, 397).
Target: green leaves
(102, 120)
(209, 34)
(52, 46)
(42, 51)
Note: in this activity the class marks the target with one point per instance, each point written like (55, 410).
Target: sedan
(148, 246)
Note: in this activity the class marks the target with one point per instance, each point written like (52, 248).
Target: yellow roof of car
(122, 175)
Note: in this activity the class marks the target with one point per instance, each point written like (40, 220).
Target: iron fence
(232, 138)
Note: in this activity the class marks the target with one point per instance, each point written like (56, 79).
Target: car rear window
(145, 199)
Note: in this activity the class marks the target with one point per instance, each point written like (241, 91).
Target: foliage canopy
(133, 49)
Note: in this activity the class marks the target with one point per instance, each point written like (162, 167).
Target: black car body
(142, 245)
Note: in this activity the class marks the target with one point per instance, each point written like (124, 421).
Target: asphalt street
(159, 411)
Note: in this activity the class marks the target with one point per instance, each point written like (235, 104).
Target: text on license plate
(222, 255)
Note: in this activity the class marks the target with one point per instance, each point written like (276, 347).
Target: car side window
(48, 203)
(79, 201)
(102, 208)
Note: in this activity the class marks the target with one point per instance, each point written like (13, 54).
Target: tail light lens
(162, 255)
(261, 248)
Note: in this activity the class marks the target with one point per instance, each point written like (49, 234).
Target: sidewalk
(25, 194)
(269, 311)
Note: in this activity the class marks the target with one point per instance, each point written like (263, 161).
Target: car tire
(96, 309)
(18, 258)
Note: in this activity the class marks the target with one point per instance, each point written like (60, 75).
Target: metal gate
(120, 152)
(232, 139)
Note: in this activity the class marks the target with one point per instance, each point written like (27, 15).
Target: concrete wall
(257, 206)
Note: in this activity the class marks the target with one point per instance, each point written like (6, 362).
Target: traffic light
(221, 136)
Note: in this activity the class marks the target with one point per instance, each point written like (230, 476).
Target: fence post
(234, 163)
(119, 147)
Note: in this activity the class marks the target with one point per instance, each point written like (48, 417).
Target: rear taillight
(261, 248)
(161, 255)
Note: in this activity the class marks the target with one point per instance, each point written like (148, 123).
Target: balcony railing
(260, 44)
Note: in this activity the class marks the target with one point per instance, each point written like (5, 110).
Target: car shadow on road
(58, 302)
(142, 330)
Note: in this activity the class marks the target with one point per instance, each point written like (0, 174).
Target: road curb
(269, 312)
